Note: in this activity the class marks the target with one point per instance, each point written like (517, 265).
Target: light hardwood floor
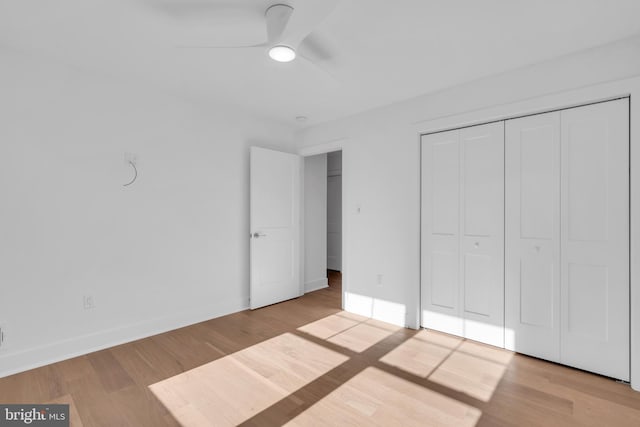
(305, 362)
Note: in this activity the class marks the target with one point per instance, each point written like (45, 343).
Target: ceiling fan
(289, 33)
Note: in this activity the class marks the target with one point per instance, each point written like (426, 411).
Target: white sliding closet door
(441, 231)
(532, 244)
(463, 231)
(482, 232)
(564, 295)
(595, 238)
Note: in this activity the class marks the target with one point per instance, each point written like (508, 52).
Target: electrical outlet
(88, 302)
(379, 279)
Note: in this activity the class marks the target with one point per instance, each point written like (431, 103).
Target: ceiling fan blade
(193, 11)
(277, 17)
(253, 46)
(308, 15)
(204, 22)
(317, 67)
(315, 49)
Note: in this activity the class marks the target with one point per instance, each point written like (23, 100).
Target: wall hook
(135, 176)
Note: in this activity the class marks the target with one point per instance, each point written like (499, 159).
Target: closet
(525, 242)
(567, 237)
(462, 217)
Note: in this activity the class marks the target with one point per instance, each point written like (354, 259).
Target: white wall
(170, 250)
(381, 160)
(315, 222)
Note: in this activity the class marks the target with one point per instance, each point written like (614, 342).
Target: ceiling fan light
(282, 53)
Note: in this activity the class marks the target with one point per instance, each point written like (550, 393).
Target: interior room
(319, 212)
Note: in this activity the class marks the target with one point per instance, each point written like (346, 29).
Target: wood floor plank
(374, 397)
(109, 370)
(74, 417)
(305, 362)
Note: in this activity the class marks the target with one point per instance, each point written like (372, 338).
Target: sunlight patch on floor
(474, 369)
(422, 353)
(466, 366)
(351, 331)
(332, 325)
(364, 335)
(234, 388)
(374, 397)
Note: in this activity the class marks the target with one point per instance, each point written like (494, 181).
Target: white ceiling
(379, 52)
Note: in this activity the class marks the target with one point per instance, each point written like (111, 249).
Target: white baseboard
(20, 361)
(315, 285)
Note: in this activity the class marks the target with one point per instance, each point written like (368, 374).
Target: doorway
(323, 222)
(334, 219)
(334, 211)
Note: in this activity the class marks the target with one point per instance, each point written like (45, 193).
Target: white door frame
(629, 87)
(324, 148)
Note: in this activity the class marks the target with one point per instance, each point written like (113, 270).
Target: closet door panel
(595, 238)
(444, 184)
(444, 275)
(482, 229)
(482, 157)
(532, 251)
(440, 233)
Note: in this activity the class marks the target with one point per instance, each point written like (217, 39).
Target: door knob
(256, 235)
(476, 245)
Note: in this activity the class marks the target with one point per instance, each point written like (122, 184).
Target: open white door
(275, 227)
